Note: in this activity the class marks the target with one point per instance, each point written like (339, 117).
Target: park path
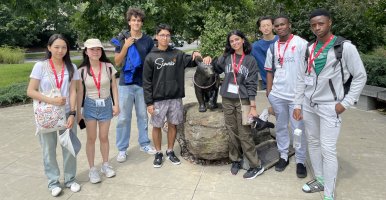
(361, 154)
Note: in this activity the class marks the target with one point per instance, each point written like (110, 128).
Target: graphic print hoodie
(164, 74)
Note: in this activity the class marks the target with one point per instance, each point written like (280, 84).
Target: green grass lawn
(19, 73)
(14, 73)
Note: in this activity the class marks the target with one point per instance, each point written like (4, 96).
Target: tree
(357, 20)
(30, 23)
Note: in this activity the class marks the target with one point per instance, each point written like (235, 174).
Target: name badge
(100, 103)
(280, 73)
(232, 88)
(309, 80)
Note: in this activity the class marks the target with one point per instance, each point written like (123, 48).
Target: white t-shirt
(284, 81)
(47, 75)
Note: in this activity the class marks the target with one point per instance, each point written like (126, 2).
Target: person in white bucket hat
(98, 94)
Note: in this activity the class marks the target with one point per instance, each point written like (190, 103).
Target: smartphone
(82, 125)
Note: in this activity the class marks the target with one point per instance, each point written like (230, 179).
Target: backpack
(338, 50)
(272, 49)
(109, 74)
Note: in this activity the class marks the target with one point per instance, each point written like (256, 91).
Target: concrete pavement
(361, 154)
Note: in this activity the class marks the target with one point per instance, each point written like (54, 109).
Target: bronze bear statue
(206, 85)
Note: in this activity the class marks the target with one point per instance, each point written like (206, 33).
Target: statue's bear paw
(202, 108)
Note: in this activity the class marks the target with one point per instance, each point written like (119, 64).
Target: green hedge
(376, 70)
(14, 94)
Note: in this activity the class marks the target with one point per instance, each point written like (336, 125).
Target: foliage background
(27, 23)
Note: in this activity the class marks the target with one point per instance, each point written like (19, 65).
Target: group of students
(309, 85)
(295, 88)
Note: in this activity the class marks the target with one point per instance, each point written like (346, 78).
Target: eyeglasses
(164, 36)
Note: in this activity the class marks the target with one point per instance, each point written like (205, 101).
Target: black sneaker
(173, 158)
(281, 165)
(235, 167)
(157, 163)
(301, 170)
(253, 172)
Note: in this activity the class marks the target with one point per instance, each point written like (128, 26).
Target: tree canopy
(26, 23)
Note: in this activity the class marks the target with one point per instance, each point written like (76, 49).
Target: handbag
(48, 117)
(70, 141)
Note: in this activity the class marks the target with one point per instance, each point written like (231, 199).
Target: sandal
(313, 186)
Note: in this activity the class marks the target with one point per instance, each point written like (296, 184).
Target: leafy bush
(376, 70)
(10, 55)
(13, 94)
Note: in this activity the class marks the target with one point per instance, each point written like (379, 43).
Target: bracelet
(72, 113)
(253, 106)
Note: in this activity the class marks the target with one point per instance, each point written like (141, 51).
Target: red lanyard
(58, 84)
(312, 57)
(281, 57)
(97, 83)
(236, 67)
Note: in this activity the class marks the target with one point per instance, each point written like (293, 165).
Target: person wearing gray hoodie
(320, 98)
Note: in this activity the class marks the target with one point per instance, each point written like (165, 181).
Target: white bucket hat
(91, 43)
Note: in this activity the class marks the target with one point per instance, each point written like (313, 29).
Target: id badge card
(280, 72)
(232, 88)
(309, 80)
(100, 103)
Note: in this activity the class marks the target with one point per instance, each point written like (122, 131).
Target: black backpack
(338, 49)
(109, 72)
(272, 49)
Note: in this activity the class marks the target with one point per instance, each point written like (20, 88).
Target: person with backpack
(131, 48)
(260, 47)
(321, 98)
(98, 94)
(56, 71)
(282, 65)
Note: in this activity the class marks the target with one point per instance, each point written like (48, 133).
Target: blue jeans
(129, 96)
(49, 141)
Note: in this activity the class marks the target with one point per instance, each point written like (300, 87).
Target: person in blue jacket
(130, 53)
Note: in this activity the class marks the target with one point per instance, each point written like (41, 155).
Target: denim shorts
(92, 112)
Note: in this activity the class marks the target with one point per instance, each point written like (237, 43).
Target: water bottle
(297, 143)
(264, 115)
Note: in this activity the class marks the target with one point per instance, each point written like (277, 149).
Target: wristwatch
(73, 112)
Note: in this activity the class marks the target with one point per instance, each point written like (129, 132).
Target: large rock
(203, 135)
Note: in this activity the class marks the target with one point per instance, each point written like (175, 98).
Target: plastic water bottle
(264, 115)
(297, 143)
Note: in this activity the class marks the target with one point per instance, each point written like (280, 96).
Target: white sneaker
(148, 149)
(94, 175)
(56, 191)
(107, 170)
(121, 157)
(74, 187)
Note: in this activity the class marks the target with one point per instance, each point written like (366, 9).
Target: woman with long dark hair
(56, 68)
(94, 93)
(239, 88)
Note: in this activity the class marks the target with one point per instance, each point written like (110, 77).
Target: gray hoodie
(321, 92)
